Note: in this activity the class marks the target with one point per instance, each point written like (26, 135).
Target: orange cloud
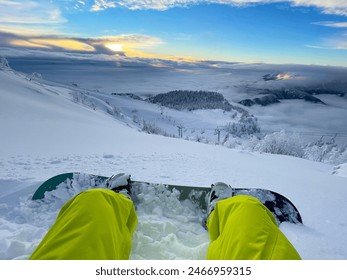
(130, 45)
(48, 43)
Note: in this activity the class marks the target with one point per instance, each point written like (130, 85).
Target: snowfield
(44, 131)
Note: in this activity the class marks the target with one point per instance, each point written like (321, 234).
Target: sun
(115, 47)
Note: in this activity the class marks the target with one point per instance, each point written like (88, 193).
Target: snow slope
(43, 132)
(236, 81)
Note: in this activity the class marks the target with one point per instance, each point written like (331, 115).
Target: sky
(249, 31)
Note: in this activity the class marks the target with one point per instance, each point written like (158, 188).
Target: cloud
(100, 5)
(341, 45)
(132, 46)
(337, 7)
(132, 40)
(36, 24)
(333, 24)
(29, 12)
(337, 41)
(30, 17)
(315, 47)
(52, 43)
(329, 7)
(130, 43)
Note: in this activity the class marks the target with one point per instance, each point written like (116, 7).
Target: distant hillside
(274, 96)
(192, 100)
(268, 97)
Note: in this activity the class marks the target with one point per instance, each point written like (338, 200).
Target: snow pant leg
(242, 228)
(95, 224)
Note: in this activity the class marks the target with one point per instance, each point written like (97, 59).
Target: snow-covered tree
(247, 125)
(4, 65)
(34, 76)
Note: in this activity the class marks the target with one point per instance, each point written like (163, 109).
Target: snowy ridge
(45, 132)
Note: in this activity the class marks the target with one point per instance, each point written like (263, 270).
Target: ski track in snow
(24, 167)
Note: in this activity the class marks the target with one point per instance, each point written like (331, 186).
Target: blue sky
(269, 31)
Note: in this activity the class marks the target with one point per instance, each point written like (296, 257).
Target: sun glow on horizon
(115, 47)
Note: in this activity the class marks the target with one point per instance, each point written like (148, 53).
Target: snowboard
(72, 183)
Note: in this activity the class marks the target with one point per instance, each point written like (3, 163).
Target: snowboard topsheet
(282, 208)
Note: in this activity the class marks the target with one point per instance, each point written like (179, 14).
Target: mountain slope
(44, 133)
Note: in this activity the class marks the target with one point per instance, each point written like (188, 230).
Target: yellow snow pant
(242, 228)
(95, 224)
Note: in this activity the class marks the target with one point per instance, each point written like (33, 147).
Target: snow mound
(341, 170)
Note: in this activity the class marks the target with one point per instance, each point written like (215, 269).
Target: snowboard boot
(120, 183)
(218, 192)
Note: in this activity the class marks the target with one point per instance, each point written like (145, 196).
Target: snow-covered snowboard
(69, 184)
